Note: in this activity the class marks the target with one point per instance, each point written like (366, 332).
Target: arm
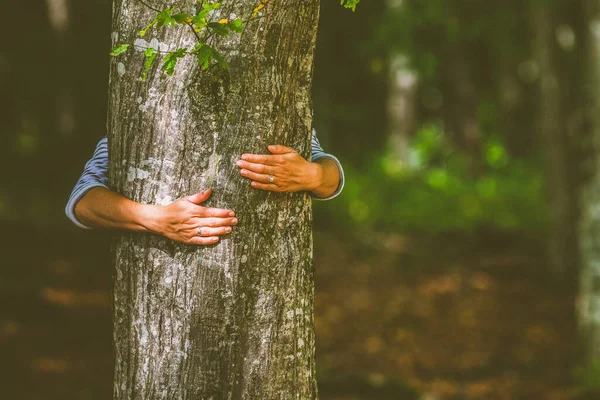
(93, 205)
(332, 183)
(323, 176)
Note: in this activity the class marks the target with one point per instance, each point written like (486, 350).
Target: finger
(262, 158)
(266, 186)
(199, 197)
(216, 222)
(215, 212)
(255, 177)
(206, 231)
(254, 167)
(280, 149)
(203, 241)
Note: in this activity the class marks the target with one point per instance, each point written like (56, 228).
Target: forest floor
(446, 319)
(453, 320)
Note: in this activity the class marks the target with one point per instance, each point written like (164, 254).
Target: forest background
(450, 266)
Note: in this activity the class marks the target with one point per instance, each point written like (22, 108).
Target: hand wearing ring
(186, 221)
(285, 170)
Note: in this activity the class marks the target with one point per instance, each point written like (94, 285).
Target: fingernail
(232, 214)
(234, 221)
(244, 157)
(271, 147)
(215, 239)
(244, 172)
(239, 163)
(228, 229)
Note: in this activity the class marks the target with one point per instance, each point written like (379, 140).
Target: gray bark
(401, 100)
(401, 108)
(233, 320)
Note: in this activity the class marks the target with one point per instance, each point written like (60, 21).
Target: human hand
(290, 172)
(181, 219)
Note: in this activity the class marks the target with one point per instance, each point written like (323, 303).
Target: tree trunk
(233, 320)
(401, 108)
(588, 304)
(562, 248)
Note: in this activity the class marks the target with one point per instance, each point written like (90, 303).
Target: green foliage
(219, 29)
(436, 193)
(351, 4)
(588, 378)
(119, 50)
(203, 29)
(150, 57)
(164, 18)
(171, 59)
(207, 54)
(235, 25)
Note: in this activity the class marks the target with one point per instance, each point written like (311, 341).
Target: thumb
(199, 197)
(279, 149)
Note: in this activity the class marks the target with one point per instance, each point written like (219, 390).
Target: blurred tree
(562, 244)
(401, 100)
(234, 320)
(467, 56)
(586, 123)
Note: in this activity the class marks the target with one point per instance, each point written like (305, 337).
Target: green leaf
(171, 59)
(235, 25)
(220, 59)
(199, 21)
(150, 57)
(150, 25)
(165, 18)
(119, 49)
(205, 55)
(181, 18)
(219, 29)
(208, 7)
(351, 4)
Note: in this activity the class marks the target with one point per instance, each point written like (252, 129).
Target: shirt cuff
(340, 169)
(77, 194)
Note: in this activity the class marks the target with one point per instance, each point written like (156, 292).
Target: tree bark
(588, 303)
(401, 108)
(562, 243)
(233, 320)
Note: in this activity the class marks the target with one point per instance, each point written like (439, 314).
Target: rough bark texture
(233, 320)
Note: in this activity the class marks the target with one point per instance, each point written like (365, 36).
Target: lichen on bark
(233, 320)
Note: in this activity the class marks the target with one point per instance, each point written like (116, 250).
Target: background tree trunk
(588, 304)
(401, 108)
(234, 320)
(562, 243)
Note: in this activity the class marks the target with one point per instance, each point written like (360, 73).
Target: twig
(158, 51)
(149, 6)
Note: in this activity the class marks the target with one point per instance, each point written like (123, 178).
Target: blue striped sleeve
(95, 174)
(317, 153)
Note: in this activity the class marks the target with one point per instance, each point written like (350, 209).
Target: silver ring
(199, 230)
(271, 178)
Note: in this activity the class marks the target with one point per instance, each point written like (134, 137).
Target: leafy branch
(351, 4)
(202, 26)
